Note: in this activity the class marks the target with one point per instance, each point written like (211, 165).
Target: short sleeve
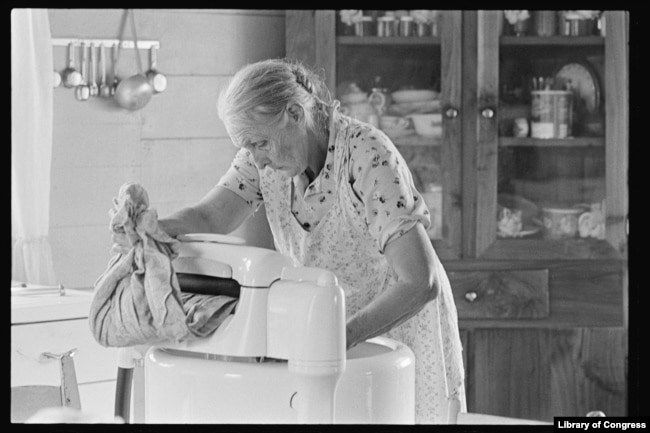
(383, 181)
(243, 179)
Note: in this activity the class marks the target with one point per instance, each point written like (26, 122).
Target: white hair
(258, 94)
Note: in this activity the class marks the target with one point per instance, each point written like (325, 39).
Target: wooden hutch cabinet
(533, 205)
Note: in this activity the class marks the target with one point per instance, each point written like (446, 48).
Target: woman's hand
(122, 243)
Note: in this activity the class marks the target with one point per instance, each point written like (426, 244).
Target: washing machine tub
(377, 387)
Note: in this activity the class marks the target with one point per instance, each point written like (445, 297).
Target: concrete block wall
(176, 147)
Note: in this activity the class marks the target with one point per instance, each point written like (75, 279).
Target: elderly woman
(338, 195)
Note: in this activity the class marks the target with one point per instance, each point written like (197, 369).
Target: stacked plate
(407, 102)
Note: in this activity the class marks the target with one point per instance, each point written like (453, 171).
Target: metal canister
(551, 113)
(423, 29)
(387, 26)
(406, 26)
(545, 23)
(363, 27)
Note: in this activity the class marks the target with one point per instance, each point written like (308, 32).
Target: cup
(427, 125)
(393, 123)
(560, 223)
(520, 127)
(509, 223)
(592, 222)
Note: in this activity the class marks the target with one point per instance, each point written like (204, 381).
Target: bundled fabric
(137, 300)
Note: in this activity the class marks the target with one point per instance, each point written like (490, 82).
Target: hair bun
(302, 80)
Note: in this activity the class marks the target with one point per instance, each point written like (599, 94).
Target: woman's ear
(295, 112)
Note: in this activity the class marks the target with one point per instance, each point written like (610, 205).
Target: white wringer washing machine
(281, 357)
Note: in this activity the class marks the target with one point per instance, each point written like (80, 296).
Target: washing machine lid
(225, 257)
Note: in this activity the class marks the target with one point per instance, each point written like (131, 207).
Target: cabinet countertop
(40, 304)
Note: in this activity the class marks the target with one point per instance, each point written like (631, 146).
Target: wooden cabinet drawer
(92, 361)
(496, 294)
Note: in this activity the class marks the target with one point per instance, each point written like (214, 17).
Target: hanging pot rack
(123, 91)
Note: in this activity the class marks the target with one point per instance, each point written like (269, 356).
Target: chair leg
(69, 386)
(27, 400)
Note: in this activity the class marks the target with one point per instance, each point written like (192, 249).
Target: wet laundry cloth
(138, 300)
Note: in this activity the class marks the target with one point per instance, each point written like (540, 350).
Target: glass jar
(406, 26)
(423, 28)
(545, 23)
(520, 28)
(363, 27)
(387, 26)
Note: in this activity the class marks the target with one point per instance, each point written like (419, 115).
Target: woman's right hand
(121, 243)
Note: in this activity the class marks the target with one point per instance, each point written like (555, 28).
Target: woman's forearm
(186, 220)
(417, 272)
(388, 310)
(220, 211)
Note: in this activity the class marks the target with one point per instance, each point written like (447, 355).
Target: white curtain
(31, 145)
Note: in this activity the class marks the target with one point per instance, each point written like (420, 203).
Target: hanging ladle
(158, 80)
(71, 77)
(116, 79)
(134, 92)
(82, 91)
(94, 88)
(104, 89)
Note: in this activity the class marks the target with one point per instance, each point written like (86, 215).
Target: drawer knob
(471, 296)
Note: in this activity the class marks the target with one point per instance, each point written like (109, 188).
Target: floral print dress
(362, 199)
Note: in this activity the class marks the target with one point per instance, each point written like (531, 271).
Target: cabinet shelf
(567, 41)
(552, 142)
(547, 249)
(390, 40)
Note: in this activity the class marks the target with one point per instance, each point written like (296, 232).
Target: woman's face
(283, 148)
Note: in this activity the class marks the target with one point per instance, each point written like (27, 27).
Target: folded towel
(137, 300)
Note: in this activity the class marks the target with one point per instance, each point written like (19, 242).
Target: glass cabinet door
(400, 71)
(543, 106)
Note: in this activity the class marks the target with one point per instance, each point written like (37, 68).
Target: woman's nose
(260, 160)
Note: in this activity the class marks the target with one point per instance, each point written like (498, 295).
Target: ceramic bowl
(560, 223)
(354, 98)
(427, 125)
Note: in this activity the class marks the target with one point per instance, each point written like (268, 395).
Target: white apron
(342, 244)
